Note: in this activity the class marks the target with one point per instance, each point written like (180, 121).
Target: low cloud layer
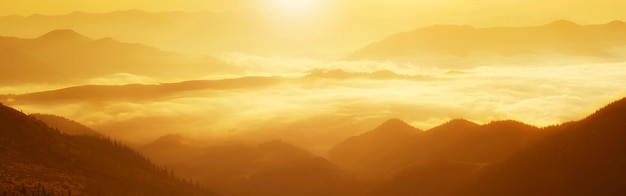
(317, 112)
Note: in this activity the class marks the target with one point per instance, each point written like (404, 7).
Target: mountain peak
(562, 24)
(279, 148)
(616, 24)
(456, 124)
(394, 123)
(275, 143)
(460, 121)
(64, 35)
(508, 124)
(169, 141)
(616, 109)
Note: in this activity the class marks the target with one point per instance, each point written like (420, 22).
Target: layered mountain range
(36, 158)
(561, 37)
(67, 56)
(456, 158)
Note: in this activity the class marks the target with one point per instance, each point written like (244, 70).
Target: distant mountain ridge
(65, 55)
(456, 158)
(575, 158)
(368, 155)
(136, 91)
(557, 38)
(396, 145)
(270, 168)
(63, 35)
(198, 32)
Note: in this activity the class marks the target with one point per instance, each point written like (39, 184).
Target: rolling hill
(371, 155)
(65, 55)
(456, 158)
(557, 38)
(575, 158)
(271, 168)
(33, 155)
(205, 32)
(136, 92)
(395, 145)
(579, 158)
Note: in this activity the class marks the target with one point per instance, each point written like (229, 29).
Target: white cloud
(306, 111)
(120, 79)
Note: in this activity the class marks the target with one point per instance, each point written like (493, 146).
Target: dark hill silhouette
(315, 176)
(560, 38)
(169, 141)
(174, 151)
(575, 158)
(395, 146)
(64, 35)
(431, 179)
(488, 143)
(137, 92)
(455, 124)
(70, 55)
(65, 125)
(340, 74)
(10, 74)
(33, 154)
(271, 168)
(369, 155)
(581, 158)
(447, 133)
(283, 152)
(562, 24)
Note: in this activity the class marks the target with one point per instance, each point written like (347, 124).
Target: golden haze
(312, 97)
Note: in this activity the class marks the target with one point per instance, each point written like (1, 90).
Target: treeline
(86, 165)
(37, 190)
(123, 162)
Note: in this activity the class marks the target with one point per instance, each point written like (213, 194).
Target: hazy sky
(477, 12)
(533, 94)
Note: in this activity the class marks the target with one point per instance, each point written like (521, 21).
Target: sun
(295, 6)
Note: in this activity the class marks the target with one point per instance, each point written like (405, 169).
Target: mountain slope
(65, 125)
(387, 150)
(136, 92)
(439, 178)
(580, 158)
(557, 38)
(576, 158)
(32, 153)
(487, 143)
(66, 55)
(206, 32)
(23, 74)
(371, 155)
(271, 168)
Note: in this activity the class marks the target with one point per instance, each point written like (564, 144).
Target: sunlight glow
(295, 4)
(298, 7)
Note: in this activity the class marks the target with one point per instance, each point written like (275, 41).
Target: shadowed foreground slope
(32, 153)
(581, 158)
(271, 168)
(65, 125)
(395, 145)
(578, 158)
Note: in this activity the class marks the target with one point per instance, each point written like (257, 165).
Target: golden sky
(476, 12)
(311, 29)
